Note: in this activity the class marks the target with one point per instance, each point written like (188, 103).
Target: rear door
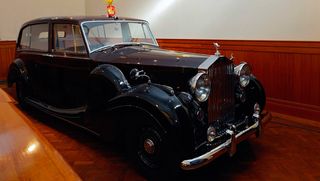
(33, 49)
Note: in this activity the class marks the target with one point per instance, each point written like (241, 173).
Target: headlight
(201, 86)
(211, 134)
(244, 80)
(243, 70)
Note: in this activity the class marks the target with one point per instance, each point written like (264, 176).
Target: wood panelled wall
(289, 70)
(7, 53)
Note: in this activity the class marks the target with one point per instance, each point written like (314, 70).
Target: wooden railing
(25, 153)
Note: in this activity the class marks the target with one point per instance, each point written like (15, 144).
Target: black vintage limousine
(108, 75)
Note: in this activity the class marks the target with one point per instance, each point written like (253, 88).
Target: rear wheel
(21, 93)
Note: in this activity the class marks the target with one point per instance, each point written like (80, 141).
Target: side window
(25, 38)
(68, 39)
(35, 37)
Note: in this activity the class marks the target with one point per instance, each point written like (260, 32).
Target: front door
(71, 69)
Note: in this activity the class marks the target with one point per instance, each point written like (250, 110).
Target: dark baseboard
(294, 109)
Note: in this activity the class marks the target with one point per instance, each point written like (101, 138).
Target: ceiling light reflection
(31, 148)
(159, 8)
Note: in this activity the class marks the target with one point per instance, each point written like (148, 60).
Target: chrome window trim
(114, 21)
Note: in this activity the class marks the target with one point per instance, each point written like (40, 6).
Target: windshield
(101, 34)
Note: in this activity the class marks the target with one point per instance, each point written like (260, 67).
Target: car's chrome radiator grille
(221, 100)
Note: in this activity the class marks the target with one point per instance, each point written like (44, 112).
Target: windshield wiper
(102, 48)
(115, 46)
(121, 45)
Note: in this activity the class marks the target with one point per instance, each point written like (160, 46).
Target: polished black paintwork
(68, 84)
(150, 56)
(161, 65)
(95, 91)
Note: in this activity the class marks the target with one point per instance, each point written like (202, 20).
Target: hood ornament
(217, 46)
(231, 57)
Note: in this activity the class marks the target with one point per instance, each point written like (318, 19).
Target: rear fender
(17, 70)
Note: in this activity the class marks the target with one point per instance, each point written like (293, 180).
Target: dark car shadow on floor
(59, 132)
(221, 169)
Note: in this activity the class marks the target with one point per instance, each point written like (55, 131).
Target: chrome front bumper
(229, 145)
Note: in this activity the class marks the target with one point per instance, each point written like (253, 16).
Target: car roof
(77, 19)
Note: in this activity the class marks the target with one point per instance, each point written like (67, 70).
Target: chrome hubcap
(149, 146)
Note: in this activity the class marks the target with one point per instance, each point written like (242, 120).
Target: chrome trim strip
(227, 146)
(208, 62)
(71, 57)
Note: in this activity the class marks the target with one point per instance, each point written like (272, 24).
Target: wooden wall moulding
(7, 53)
(289, 70)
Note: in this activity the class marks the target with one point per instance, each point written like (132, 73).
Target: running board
(73, 111)
(46, 109)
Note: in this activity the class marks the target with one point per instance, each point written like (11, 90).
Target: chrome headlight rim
(243, 71)
(201, 92)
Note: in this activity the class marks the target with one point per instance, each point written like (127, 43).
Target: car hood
(150, 56)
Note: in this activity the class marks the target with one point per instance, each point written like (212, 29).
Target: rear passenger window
(25, 38)
(68, 39)
(35, 37)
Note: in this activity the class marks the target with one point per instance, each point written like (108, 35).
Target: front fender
(105, 82)
(162, 104)
(149, 96)
(260, 92)
(112, 74)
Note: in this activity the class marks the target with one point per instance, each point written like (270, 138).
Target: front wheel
(149, 149)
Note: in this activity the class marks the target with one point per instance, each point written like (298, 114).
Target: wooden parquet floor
(286, 151)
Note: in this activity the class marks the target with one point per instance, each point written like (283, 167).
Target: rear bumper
(228, 146)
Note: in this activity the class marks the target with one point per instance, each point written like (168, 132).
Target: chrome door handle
(47, 55)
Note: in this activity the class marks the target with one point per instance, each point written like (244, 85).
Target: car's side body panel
(69, 80)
